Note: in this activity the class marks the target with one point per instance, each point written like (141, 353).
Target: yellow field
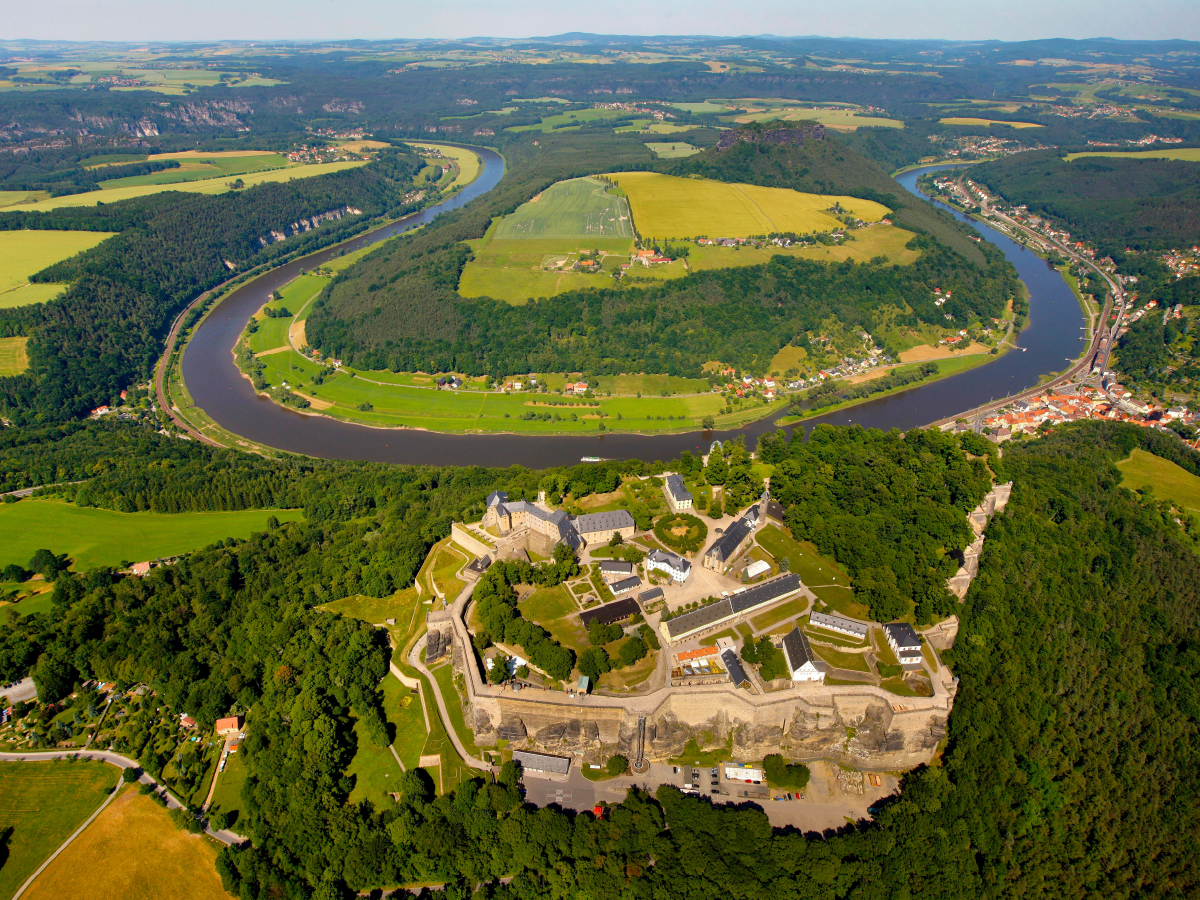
(13, 360)
(1187, 154)
(209, 186)
(665, 206)
(133, 851)
(967, 120)
(24, 253)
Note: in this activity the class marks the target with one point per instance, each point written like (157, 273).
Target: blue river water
(1053, 336)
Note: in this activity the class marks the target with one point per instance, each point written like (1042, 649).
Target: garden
(681, 532)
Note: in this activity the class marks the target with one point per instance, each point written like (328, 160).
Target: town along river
(1052, 336)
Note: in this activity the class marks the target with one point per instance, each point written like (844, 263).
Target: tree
(717, 509)
(717, 471)
(785, 775)
(616, 540)
(45, 563)
(708, 423)
(54, 678)
(594, 662)
(14, 573)
(131, 774)
(498, 673)
(617, 765)
(632, 650)
(750, 651)
(600, 633)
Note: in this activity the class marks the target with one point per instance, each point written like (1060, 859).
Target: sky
(1008, 20)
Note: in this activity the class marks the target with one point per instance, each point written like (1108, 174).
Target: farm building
(840, 624)
(678, 497)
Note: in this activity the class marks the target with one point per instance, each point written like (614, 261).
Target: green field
(672, 151)
(665, 206)
(468, 161)
(374, 768)
(102, 537)
(199, 168)
(841, 599)
(837, 120)
(803, 559)
(207, 186)
(228, 795)
(570, 121)
(43, 803)
(701, 108)
(855, 662)
(971, 120)
(13, 360)
(1187, 154)
(1166, 480)
(25, 253)
(579, 208)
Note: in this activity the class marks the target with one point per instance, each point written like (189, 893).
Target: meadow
(102, 537)
(468, 161)
(1187, 154)
(43, 803)
(672, 151)
(571, 120)
(838, 120)
(207, 186)
(374, 768)
(227, 798)
(25, 253)
(578, 208)
(665, 206)
(512, 269)
(133, 851)
(972, 120)
(1166, 480)
(13, 360)
(803, 558)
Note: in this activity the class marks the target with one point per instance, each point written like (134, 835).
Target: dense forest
(105, 332)
(399, 307)
(1113, 203)
(1069, 770)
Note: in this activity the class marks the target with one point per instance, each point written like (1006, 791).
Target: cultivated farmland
(579, 208)
(133, 851)
(43, 803)
(665, 206)
(1166, 480)
(25, 253)
(217, 185)
(971, 120)
(13, 360)
(102, 537)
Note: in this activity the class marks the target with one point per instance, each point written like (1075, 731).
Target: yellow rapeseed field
(665, 206)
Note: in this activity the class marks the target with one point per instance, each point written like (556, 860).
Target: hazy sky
(142, 20)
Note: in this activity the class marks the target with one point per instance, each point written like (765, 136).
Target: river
(1053, 336)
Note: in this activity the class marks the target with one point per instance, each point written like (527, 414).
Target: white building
(758, 567)
(744, 773)
(905, 642)
(802, 662)
(840, 624)
(674, 566)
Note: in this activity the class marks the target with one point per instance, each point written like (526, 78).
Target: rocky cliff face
(860, 730)
(795, 136)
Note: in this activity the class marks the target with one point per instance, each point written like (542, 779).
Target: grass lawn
(375, 770)
(788, 357)
(1165, 480)
(133, 851)
(208, 186)
(623, 679)
(897, 685)
(448, 562)
(29, 294)
(452, 769)
(692, 755)
(376, 610)
(855, 662)
(666, 206)
(102, 537)
(43, 803)
(403, 709)
(829, 637)
(554, 610)
(450, 693)
(841, 599)
(803, 558)
(883, 652)
(793, 607)
(228, 795)
(13, 360)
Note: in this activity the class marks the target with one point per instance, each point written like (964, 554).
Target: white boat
(591, 459)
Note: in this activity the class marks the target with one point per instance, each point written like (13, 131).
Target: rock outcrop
(795, 136)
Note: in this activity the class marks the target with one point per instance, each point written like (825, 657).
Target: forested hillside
(399, 307)
(1069, 771)
(105, 332)
(1114, 203)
